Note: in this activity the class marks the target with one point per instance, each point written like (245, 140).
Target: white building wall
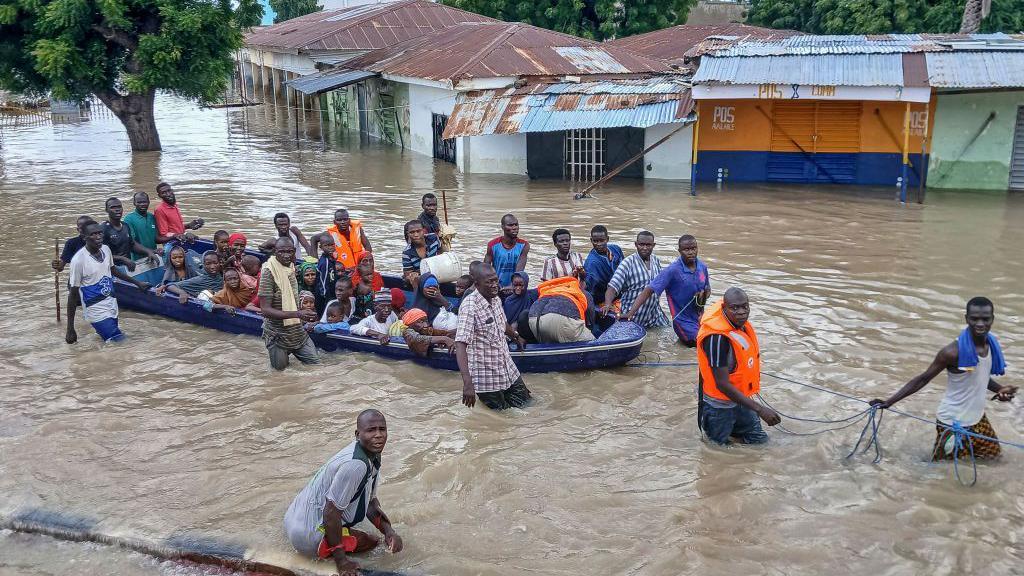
(424, 102)
(672, 160)
(495, 154)
(299, 64)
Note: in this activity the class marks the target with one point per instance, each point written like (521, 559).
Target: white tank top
(298, 247)
(966, 394)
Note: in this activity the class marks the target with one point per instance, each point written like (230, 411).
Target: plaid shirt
(482, 328)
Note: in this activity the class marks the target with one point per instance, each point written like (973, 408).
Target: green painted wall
(984, 164)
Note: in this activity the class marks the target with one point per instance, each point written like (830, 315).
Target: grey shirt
(336, 481)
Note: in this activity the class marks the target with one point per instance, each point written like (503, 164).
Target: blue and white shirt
(95, 285)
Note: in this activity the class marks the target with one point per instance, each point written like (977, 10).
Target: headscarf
(301, 269)
(376, 282)
(397, 298)
(422, 302)
(237, 236)
(515, 304)
(237, 298)
(169, 274)
(412, 316)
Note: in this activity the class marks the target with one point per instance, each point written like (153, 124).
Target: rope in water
(874, 415)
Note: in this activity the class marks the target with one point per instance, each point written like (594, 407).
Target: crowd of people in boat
(339, 288)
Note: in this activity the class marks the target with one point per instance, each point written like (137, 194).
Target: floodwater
(183, 430)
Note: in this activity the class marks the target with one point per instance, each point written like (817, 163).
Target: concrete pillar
(276, 84)
(252, 72)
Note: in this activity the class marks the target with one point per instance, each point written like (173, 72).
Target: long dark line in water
(197, 549)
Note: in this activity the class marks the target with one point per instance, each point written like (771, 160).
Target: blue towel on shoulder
(968, 356)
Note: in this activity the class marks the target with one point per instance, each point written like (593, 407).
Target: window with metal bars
(584, 154)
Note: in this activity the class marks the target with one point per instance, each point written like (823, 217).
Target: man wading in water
(341, 494)
(969, 362)
(729, 361)
(279, 303)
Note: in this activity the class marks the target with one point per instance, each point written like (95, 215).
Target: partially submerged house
(858, 109)
(497, 97)
(978, 134)
(305, 45)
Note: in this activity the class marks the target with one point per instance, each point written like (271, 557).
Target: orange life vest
(747, 376)
(567, 286)
(346, 248)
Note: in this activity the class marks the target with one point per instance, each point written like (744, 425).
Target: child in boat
(307, 301)
(233, 296)
(334, 321)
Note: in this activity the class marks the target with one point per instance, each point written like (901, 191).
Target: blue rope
(962, 431)
(874, 422)
(959, 433)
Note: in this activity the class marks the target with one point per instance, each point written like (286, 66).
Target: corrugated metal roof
(875, 44)
(976, 69)
(495, 50)
(675, 43)
(816, 70)
(367, 27)
(554, 107)
(324, 81)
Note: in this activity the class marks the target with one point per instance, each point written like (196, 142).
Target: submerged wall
(968, 149)
(672, 159)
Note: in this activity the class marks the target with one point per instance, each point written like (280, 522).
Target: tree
(121, 51)
(596, 19)
(288, 9)
(883, 16)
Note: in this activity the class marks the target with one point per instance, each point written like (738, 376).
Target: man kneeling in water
(341, 494)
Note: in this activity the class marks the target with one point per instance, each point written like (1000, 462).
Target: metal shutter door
(837, 142)
(792, 142)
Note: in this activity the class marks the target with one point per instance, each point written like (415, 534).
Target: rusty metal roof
(679, 42)
(566, 106)
(502, 49)
(366, 27)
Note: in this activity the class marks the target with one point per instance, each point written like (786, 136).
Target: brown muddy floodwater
(185, 430)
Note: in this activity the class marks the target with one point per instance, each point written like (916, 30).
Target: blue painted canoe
(616, 346)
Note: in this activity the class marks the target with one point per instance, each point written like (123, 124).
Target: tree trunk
(135, 111)
(971, 21)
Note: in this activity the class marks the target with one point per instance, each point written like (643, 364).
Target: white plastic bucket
(445, 267)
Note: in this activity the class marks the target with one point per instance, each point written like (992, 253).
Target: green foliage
(288, 9)
(880, 16)
(73, 48)
(249, 13)
(596, 19)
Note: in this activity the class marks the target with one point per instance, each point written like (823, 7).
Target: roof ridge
(486, 51)
(385, 8)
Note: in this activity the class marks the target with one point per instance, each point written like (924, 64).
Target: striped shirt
(555, 267)
(629, 280)
(411, 258)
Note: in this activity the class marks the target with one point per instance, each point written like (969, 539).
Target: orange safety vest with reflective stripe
(346, 248)
(747, 375)
(567, 286)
